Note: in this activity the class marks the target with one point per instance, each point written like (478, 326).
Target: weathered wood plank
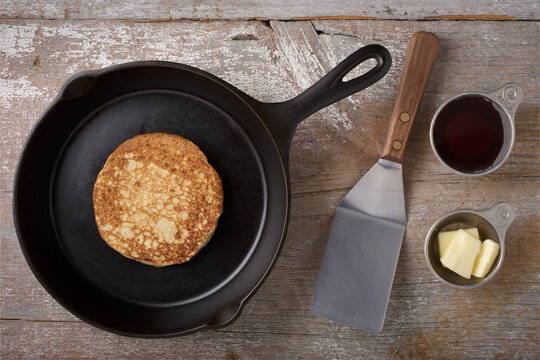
(269, 9)
(330, 152)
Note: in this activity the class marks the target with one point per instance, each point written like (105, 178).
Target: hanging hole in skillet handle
(225, 315)
(360, 69)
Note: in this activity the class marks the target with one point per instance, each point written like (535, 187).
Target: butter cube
(444, 238)
(488, 253)
(461, 253)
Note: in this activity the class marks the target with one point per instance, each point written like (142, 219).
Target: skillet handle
(283, 118)
(331, 88)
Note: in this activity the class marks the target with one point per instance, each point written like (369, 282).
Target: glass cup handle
(509, 96)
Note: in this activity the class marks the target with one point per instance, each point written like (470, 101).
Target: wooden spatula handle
(420, 57)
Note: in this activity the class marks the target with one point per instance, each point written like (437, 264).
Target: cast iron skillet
(245, 140)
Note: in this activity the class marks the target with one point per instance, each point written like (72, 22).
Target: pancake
(157, 200)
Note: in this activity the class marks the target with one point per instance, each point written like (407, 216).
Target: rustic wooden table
(42, 44)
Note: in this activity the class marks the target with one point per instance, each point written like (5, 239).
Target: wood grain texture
(330, 152)
(269, 9)
(419, 59)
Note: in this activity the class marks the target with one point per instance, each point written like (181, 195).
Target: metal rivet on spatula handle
(396, 145)
(404, 117)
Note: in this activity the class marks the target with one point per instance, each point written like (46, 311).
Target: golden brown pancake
(157, 200)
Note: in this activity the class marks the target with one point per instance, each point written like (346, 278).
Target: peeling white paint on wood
(21, 87)
(308, 62)
(17, 41)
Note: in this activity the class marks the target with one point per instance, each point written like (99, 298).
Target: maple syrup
(468, 133)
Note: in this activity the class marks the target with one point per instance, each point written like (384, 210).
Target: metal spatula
(362, 252)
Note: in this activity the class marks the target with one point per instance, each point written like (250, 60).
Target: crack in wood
(320, 191)
(267, 24)
(40, 320)
(322, 32)
(243, 37)
(310, 335)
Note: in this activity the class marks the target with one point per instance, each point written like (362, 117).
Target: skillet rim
(247, 100)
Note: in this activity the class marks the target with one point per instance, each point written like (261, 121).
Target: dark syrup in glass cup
(473, 133)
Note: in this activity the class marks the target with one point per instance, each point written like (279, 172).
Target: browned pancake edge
(157, 200)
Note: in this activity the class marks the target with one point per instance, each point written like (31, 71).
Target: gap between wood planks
(266, 21)
(40, 321)
(479, 17)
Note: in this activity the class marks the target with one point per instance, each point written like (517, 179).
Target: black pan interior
(228, 149)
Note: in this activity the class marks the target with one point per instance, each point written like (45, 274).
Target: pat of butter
(488, 253)
(444, 238)
(461, 253)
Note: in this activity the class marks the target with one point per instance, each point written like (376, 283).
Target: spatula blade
(361, 256)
